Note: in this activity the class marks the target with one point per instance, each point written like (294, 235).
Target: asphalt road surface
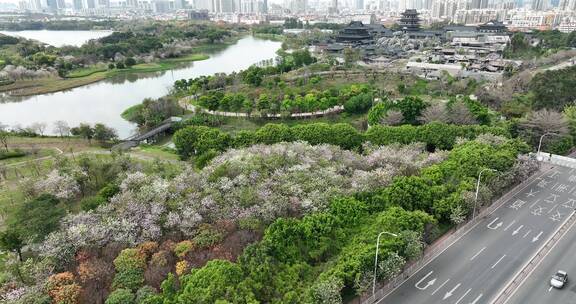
(481, 262)
(536, 288)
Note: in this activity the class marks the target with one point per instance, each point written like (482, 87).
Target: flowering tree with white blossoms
(59, 184)
(262, 182)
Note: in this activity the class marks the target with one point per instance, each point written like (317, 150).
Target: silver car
(559, 279)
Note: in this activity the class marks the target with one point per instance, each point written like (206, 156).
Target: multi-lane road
(478, 265)
(536, 288)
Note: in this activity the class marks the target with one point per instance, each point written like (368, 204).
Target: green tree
(274, 133)
(411, 108)
(359, 103)
(121, 296)
(351, 56)
(130, 61)
(218, 280)
(11, 240)
(4, 137)
(83, 130)
(253, 76)
(103, 133)
(36, 218)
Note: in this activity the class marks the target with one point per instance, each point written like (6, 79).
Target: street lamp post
(477, 189)
(376, 258)
(540, 142)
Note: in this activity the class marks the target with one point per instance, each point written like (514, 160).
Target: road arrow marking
(462, 297)
(494, 227)
(430, 283)
(527, 233)
(517, 230)
(451, 292)
(510, 225)
(435, 291)
(477, 253)
(534, 239)
(476, 300)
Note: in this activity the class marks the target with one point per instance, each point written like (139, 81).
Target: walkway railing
(556, 159)
(185, 103)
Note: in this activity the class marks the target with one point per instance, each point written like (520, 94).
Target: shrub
(274, 133)
(181, 268)
(207, 236)
(359, 103)
(11, 154)
(108, 191)
(91, 202)
(181, 249)
(130, 61)
(131, 279)
(130, 259)
(121, 296)
(130, 265)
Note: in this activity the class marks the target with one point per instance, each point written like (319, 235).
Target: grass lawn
(155, 151)
(83, 72)
(233, 124)
(66, 144)
(31, 154)
(90, 75)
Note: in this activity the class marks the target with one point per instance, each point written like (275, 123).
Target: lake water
(60, 38)
(106, 100)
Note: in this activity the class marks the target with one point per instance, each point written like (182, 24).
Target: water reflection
(106, 100)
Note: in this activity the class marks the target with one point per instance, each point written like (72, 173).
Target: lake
(60, 38)
(104, 101)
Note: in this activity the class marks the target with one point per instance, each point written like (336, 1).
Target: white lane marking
(542, 258)
(435, 291)
(552, 208)
(500, 259)
(549, 288)
(517, 230)
(430, 283)
(510, 225)
(534, 239)
(451, 292)
(535, 202)
(476, 300)
(492, 226)
(477, 253)
(462, 297)
(527, 233)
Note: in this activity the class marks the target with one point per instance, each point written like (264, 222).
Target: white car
(559, 279)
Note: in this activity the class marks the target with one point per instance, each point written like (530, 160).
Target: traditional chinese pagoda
(355, 32)
(492, 26)
(410, 21)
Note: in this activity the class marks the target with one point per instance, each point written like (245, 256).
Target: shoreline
(24, 88)
(32, 87)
